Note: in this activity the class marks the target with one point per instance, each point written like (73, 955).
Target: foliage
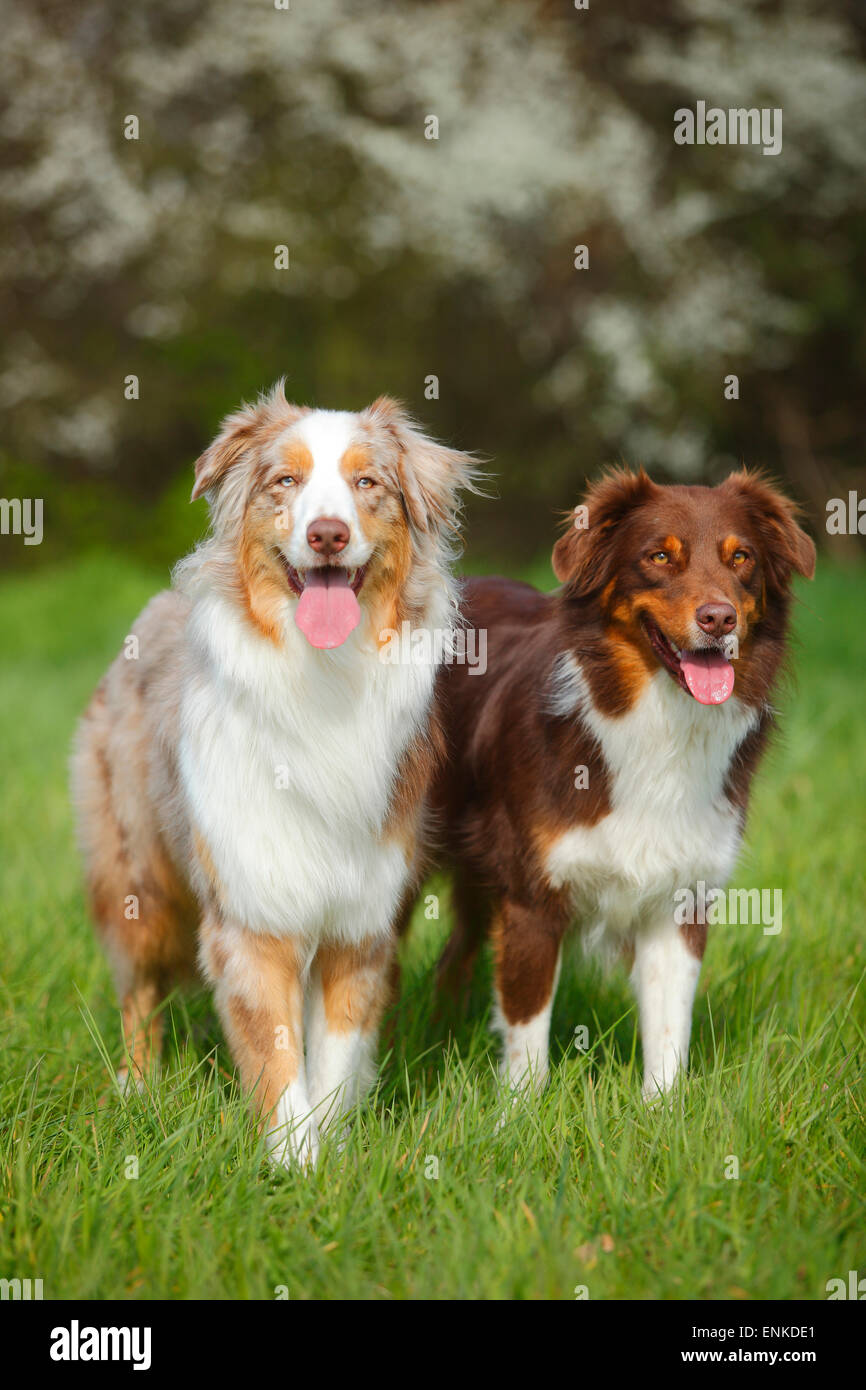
(410, 257)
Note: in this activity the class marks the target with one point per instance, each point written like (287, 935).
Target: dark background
(411, 257)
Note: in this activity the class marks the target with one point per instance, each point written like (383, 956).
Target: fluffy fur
(254, 803)
(585, 782)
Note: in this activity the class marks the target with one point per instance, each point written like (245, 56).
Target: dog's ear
(235, 436)
(238, 433)
(784, 543)
(582, 557)
(430, 476)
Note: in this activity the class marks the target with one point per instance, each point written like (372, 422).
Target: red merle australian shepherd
(251, 777)
(602, 763)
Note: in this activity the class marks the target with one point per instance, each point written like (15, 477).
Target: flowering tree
(432, 171)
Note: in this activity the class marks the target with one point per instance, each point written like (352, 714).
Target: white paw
(504, 1116)
(127, 1083)
(659, 1092)
(336, 1128)
(520, 1077)
(517, 1088)
(293, 1138)
(300, 1149)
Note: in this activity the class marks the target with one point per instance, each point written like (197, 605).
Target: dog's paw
(129, 1081)
(657, 1095)
(294, 1144)
(517, 1088)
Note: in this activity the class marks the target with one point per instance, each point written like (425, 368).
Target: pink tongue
(327, 610)
(709, 676)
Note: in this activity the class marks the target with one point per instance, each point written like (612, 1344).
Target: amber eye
(366, 482)
(740, 557)
(288, 481)
(660, 557)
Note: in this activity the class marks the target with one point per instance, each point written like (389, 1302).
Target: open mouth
(298, 578)
(328, 609)
(707, 674)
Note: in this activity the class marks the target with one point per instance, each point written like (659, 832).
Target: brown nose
(716, 619)
(327, 535)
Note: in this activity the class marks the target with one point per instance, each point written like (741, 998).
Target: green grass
(587, 1187)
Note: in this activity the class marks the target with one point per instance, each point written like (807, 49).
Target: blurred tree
(409, 256)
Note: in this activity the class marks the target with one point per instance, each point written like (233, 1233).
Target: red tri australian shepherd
(251, 776)
(602, 763)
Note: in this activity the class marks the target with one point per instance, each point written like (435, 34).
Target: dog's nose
(716, 619)
(328, 536)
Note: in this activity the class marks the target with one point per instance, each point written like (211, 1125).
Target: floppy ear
(238, 432)
(430, 476)
(234, 437)
(785, 545)
(582, 556)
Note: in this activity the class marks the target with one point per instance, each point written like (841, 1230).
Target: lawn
(586, 1190)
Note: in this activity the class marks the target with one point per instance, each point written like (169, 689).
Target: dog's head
(330, 512)
(692, 579)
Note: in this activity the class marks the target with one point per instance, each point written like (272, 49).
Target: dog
(251, 779)
(602, 763)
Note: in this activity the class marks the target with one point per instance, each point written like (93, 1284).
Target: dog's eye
(740, 557)
(366, 482)
(288, 481)
(660, 557)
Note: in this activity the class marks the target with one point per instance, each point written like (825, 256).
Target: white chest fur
(670, 823)
(289, 758)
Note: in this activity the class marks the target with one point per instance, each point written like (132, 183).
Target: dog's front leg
(667, 962)
(257, 981)
(348, 989)
(526, 948)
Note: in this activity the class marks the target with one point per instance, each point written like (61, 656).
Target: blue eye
(366, 482)
(288, 481)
